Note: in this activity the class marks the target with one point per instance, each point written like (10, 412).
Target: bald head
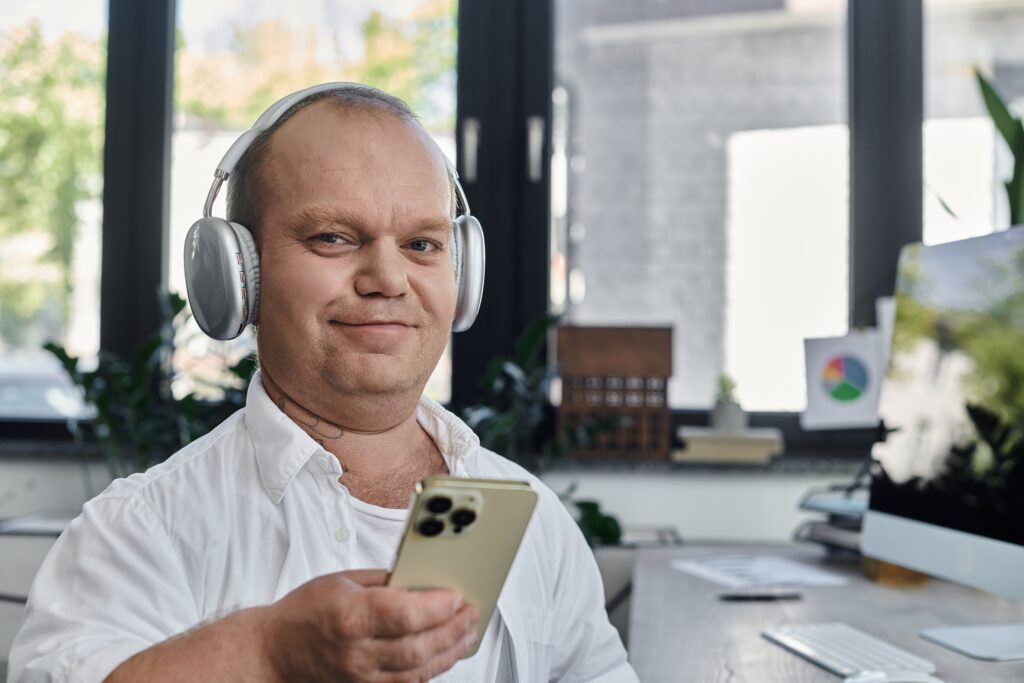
(253, 181)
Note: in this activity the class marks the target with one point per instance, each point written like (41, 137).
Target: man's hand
(349, 626)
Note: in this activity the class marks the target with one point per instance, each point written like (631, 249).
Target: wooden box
(617, 372)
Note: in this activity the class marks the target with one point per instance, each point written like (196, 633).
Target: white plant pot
(728, 417)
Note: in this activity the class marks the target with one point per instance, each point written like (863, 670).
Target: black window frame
(504, 79)
(506, 50)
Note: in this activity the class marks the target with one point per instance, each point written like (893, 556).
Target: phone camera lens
(431, 527)
(463, 517)
(439, 505)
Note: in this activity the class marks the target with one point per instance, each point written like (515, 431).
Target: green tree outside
(51, 129)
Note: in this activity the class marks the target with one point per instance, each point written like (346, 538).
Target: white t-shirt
(379, 532)
(253, 510)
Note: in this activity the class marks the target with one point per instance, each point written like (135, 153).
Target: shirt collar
(282, 448)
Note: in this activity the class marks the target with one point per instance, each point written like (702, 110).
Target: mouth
(375, 328)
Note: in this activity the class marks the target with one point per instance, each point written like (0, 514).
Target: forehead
(364, 160)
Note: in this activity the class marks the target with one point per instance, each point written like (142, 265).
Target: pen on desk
(760, 596)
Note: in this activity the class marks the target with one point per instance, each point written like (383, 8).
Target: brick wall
(653, 98)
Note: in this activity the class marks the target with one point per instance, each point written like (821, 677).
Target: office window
(966, 161)
(234, 59)
(700, 179)
(52, 72)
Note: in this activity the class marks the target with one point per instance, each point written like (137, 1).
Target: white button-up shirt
(251, 511)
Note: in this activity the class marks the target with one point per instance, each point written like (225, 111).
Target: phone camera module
(439, 504)
(431, 527)
(463, 517)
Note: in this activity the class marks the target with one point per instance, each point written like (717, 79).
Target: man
(257, 553)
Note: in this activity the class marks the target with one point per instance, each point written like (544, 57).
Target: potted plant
(138, 421)
(727, 415)
(515, 418)
(1012, 130)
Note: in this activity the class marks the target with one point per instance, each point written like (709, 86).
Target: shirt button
(325, 462)
(342, 534)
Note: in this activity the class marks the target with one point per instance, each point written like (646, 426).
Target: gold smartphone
(463, 534)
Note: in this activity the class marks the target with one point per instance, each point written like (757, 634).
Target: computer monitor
(947, 493)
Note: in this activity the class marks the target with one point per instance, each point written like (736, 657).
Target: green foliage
(515, 418)
(515, 415)
(138, 420)
(994, 342)
(1012, 131)
(51, 128)
(988, 472)
(992, 339)
(725, 391)
(599, 528)
(412, 57)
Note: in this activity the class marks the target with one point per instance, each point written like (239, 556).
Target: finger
(415, 651)
(435, 667)
(365, 578)
(393, 612)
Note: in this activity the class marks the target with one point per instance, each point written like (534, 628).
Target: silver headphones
(222, 266)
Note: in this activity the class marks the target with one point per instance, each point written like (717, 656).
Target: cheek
(296, 285)
(438, 294)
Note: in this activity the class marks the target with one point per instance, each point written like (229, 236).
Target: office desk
(680, 630)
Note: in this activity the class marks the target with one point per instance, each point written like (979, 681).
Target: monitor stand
(1003, 642)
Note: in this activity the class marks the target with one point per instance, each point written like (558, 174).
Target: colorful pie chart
(845, 378)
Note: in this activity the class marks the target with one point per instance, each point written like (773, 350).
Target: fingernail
(457, 603)
(469, 640)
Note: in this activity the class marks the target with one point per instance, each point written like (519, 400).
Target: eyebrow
(324, 216)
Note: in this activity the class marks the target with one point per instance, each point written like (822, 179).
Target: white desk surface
(680, 630)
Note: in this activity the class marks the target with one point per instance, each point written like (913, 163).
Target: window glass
(966, 161)
(52, 73)
(235, 58)
(700, 179)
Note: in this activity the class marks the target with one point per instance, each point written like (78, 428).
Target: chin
(388, 376)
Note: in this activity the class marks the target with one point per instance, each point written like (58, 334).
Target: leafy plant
(138, 422)
(516, 419)
(725, 391)
(51, 153)
(1012, 130)
(599, 528)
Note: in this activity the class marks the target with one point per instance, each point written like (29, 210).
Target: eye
(327, 238)
(424, 246)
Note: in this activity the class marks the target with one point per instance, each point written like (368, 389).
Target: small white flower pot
(728, 417)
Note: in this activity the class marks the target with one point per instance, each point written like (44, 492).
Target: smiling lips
(387, 327)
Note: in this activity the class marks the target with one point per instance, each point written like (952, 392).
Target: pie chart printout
(845, 378)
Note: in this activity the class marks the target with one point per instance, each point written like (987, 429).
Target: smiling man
(259, 552)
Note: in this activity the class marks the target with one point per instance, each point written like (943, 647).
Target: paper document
(746, 571)
(844, 376)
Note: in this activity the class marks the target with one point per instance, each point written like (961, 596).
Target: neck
(372, 456)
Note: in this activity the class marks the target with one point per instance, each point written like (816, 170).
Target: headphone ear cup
(222, 277)
(250, 271)
(470, 262)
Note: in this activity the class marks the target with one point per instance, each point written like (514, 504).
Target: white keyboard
(844, 650)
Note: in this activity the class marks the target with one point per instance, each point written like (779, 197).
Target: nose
(382, 271)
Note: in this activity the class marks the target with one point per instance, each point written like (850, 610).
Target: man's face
(357, 279)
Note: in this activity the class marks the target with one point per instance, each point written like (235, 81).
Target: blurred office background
(682, 163)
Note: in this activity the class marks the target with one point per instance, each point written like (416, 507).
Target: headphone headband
(266, 121)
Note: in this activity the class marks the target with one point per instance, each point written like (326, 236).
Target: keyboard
(844, 650)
